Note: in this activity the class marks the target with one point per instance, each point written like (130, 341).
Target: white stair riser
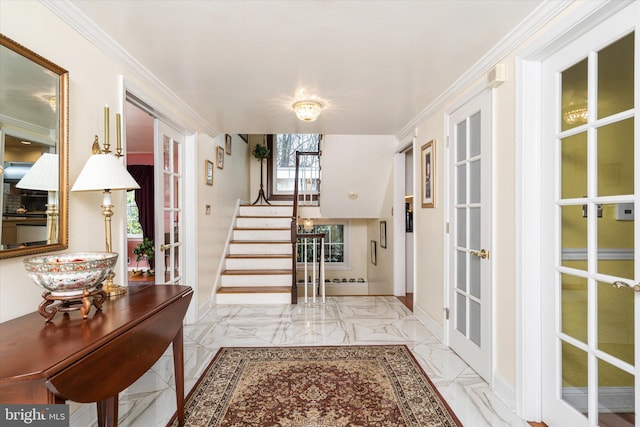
(250, 222)
(257, 280)
(258, 263)
(262, 234)
(267, 298)
(266, 210)
(260, 248)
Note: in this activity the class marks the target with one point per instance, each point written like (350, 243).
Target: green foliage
(145, 248)
(133, 224)
(260, 152)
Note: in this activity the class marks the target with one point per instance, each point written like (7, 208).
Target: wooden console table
(94, 359)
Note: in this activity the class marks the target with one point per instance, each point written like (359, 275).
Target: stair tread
(264, 216)
(284, 205)
(261, 228)
(260, 241)
(255, 272)
(258, 256)
(254, 290)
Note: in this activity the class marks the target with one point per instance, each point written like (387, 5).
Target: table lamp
(105, 172)
(43, 176)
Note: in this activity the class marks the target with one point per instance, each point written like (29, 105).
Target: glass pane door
(470, 294)
(595, 208)
(170, 195)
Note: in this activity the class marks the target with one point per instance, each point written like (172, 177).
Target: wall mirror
(33, 152)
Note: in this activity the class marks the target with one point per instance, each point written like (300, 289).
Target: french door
(590, 259)
(169, 155)
(470, 218)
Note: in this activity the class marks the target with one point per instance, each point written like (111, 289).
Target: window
(134, 229)
(335, 245)
(283, 167)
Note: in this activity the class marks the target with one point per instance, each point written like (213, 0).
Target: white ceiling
(240, 64)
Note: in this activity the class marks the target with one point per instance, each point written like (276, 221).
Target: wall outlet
(207, 210)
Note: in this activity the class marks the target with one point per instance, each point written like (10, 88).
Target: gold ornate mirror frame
(56, 222)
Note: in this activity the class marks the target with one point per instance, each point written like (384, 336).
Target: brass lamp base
(111, 288)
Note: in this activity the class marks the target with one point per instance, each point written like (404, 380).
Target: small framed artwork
(220, 157)
(374, 258)
(383, 234)
(227, 144)
(245, 137)
(428, 158)
(208, 172)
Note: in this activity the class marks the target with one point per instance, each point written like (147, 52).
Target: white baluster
(305, 270)
(314, 270)
(322, 269)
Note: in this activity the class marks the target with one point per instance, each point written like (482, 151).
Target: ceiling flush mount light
(307, 110)
(576, 115)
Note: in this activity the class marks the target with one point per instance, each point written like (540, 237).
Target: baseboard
(204, 308)
(507, 393)
(429, 322)
(610, 399)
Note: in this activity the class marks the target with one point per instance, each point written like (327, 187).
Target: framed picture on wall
(428, 157)
(220, 157)
(227, 144)
(208, 172)
(383, 234)
(374, 258)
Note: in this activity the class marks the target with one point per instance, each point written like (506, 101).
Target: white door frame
(129, 91)
(399, 238)
(529, 174)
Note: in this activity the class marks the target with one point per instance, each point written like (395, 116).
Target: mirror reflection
(33, 106)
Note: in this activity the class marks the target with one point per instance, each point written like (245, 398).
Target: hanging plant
(260, 152)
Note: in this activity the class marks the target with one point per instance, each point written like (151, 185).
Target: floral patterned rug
(316, 387)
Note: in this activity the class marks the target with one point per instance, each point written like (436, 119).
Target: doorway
(139, 136)
(403, 286)
(590, 260)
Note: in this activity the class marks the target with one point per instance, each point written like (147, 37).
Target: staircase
(258, 265)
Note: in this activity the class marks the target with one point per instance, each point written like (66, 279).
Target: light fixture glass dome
(307, 110)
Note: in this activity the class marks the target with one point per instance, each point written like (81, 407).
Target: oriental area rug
(316, 387)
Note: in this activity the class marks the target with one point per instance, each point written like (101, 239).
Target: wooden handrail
(294, 225)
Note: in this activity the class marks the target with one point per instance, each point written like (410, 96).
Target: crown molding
(526, 29)
(75, 18)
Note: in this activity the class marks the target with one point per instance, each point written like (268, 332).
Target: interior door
(590, 257)
(470, 332)
(169, 153)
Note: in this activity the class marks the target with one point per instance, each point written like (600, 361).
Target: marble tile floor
(341, 321)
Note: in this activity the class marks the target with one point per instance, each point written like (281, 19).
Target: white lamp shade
(43, 175)
(104, 172)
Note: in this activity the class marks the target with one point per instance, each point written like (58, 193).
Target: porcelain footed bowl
(70, 274)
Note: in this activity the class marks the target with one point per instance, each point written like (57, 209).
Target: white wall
(355, 163)
(94, 80)
(229, 185)
(381, 274)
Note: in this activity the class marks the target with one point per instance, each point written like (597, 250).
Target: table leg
(108, 412)
(178, 367)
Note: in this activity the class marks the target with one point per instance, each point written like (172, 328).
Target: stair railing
(308, 191)
(309, 243)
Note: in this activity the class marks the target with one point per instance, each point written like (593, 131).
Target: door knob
(620, 284)
(163, 247)
(482, 253)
